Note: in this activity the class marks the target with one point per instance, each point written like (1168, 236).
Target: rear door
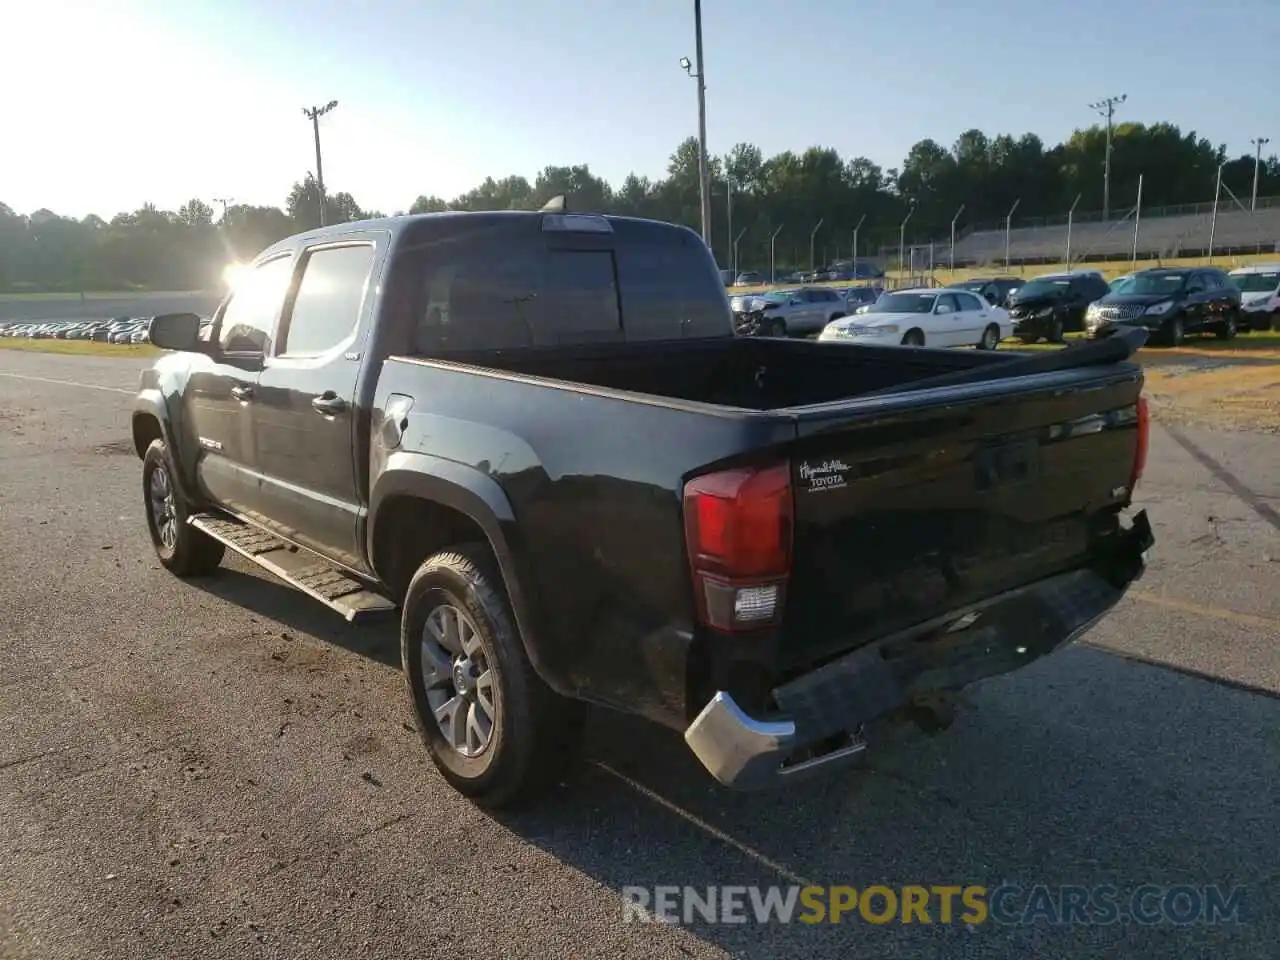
(218, 401)
(914, 509)
(304, 409)
(973, 317)
(1196, 310)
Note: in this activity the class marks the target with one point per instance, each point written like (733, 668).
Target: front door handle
(328, 403)
(242, 393)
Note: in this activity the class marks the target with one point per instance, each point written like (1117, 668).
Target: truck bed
(757, 373)
(924, 481)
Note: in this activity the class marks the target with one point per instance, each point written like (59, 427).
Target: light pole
(812, 234)
(773, 270)
(224, 201)
(735, 253)
(1258, 144)
(314, 114)
(1107, 108)
(953, 237)
(1008, 226)
(1213, 221)
(856, 227)
(902, 238)
(1137, 217)
(728, 197)
(1070, 216)
(700, 76)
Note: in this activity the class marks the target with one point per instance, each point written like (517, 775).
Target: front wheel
(990, 338)
(913, 338)
(1056, 332)
(495, 731)
(181, 548)
(775, 328)
(1229, 328)
(1175, 332)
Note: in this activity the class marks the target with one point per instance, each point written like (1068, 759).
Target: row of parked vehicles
(1170, 303)
(119, 330)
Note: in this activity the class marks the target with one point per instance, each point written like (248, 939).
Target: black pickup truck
(536, 435)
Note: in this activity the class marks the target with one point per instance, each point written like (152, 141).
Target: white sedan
(939, 317)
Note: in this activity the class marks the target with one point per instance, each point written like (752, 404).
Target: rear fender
(480, 498)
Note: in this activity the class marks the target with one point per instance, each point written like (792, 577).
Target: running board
(299, 568)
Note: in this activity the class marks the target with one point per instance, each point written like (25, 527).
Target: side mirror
(176, 331)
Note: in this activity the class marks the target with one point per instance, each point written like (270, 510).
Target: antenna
(556, 204)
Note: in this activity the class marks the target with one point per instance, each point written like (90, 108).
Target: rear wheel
(182, 549)
(913, 338)
(494, 730)
(990, 338)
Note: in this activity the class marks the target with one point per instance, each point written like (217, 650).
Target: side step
(299, 568)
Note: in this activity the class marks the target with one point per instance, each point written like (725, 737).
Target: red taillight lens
(738, 533)
(1144, 440)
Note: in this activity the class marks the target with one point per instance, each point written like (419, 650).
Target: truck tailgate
(914, 504)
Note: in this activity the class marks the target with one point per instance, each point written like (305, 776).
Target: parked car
(1170, 302)
(537, 436)
(995, 290)
(933, 317)
(1050, 305)
(787, 313)
(856, 297)
(748, 278)
(1259, 287)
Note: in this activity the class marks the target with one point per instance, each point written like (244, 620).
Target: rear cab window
(511, 285)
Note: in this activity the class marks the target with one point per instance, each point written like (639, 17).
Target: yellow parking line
(1244, 619)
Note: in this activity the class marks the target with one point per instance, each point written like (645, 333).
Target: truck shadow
(379, 640)
(1085, 768)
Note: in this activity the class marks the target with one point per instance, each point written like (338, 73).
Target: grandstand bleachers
(1185, 235)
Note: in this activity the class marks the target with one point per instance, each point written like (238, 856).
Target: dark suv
(1171, 303)
(995, 290)
(1049, 306)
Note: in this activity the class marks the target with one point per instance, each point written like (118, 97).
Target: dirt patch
(115, 448)
(1219, 392)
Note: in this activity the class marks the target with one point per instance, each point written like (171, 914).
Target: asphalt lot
(224, 768)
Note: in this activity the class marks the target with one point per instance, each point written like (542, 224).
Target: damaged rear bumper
(949, 653)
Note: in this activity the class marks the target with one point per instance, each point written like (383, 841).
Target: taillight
(1144, 440)
(737, 526)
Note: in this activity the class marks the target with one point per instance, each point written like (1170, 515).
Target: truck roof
(405, 223)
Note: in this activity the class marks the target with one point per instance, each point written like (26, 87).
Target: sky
(115, 103)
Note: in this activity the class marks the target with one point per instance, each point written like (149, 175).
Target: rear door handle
(328, 403)
(242, 393)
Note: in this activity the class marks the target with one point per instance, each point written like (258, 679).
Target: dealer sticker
(827, 475)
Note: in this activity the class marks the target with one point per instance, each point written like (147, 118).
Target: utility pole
(704, 185)
(1258, 144)
(773, 269)
(1107, 108)
(314, 114)
(224, 201)
(856, 227)
(953, 237)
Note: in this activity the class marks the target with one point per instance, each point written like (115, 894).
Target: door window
(947, 304)
(1195, 284)
(249, 317)
(969, 302)
(327, 306)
